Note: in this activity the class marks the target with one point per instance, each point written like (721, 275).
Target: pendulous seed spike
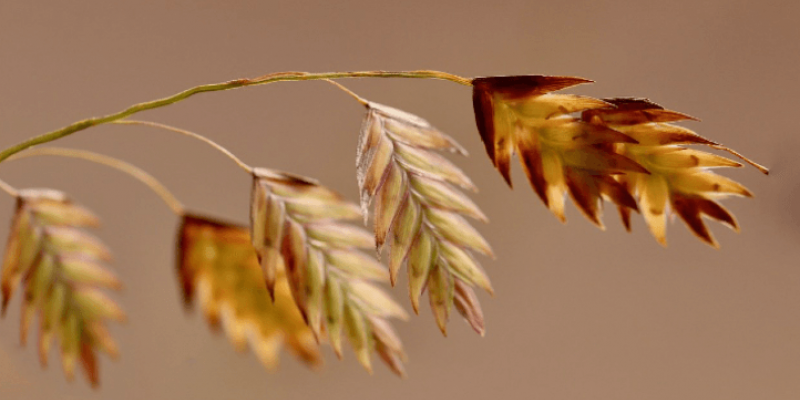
(678, 173)
(416, 204)
(61, 270)
(330, 280)
(605, 152)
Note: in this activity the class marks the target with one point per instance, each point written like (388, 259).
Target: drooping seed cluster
(300, 277)
(304, 224)
(677, 177)
(623, 150)
(217, 264)
(417, 209)
(60, 268)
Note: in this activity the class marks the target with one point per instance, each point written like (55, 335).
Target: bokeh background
(579, 313)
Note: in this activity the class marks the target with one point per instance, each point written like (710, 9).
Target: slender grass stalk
(8, 189)
(191, 134)
(216, 87)
(352, 94)
(137, 173)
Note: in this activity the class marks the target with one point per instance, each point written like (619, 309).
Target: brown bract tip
(559, 153)
(517, 86)
(633, 110)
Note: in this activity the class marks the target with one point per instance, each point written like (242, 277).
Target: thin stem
(215, 87)
(191, 134)
(9, 189)
(172, 202)
(352, 94)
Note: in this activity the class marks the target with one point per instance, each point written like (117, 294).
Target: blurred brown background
(579, 313)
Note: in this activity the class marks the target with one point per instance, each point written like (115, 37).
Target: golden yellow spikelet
(217, 264)
(559, 152)
(678, 178)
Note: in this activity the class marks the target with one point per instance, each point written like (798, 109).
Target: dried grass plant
(301, 275)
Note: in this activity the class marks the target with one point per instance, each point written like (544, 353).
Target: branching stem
(215, 87)
(352, 94)
(191, 134)
(172, 202)
(9, 189)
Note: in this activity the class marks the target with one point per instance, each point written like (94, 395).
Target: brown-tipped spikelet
(60, 268)
(559, 152)
(217, 262)
(418, 210)
(677, 177)
(305, 224)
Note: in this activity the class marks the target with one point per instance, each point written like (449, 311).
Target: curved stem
(191, 134)
(9, 189)
(172, 202)
(215, 87)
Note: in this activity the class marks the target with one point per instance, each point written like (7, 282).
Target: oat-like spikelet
(217, 264)
(417, 209)
(305, 224)
(60, 268)
(559, 153)
(678, 177)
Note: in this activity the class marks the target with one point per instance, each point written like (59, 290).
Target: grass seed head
(679, 179)
(303, 224)
(61, 270)
(560, 153)
(418, 209)
(217, 265)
